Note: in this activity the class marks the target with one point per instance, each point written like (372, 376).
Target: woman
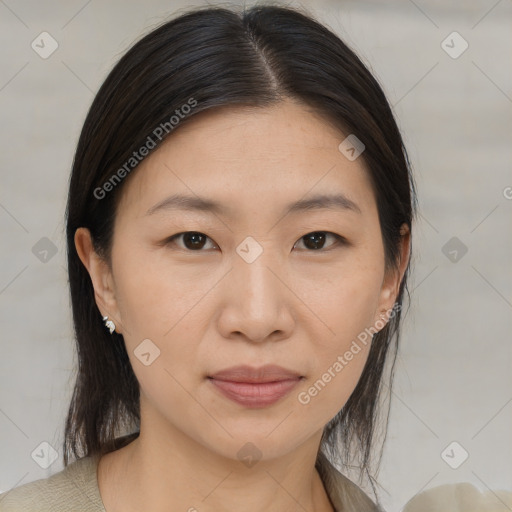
(239, 231)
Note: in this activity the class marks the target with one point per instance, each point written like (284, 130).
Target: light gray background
(453, 376)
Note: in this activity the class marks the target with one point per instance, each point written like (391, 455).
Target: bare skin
(206, 308)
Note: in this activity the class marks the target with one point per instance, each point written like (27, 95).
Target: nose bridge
(255, 266)
(256, 305)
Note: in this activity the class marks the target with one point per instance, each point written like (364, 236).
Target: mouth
(255, 387)
(255, 395)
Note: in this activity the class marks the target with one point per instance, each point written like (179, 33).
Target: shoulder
(74, 488)
(460, 496)
(344, 494)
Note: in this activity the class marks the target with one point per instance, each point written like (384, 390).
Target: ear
(101, 276)
(392, 280)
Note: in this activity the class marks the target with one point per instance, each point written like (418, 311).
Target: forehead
(249, 158)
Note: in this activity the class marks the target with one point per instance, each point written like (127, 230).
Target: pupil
(313, 239)
(194, 238)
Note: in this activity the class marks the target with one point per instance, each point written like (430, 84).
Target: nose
(256, 301)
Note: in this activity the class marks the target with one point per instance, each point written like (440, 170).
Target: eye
(195, 241)
(316, 240)
(192, 240)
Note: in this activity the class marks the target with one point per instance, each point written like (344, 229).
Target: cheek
(346, 305)
(342, 297)
(164, 304)
(342, 349)
(330, 389)
(157, 304)
(155, 298)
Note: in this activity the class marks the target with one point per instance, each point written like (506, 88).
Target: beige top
(75, 489)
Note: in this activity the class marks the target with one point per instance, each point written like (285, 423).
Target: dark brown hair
(217, 56)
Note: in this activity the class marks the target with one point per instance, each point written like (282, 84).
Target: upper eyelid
(176, 235)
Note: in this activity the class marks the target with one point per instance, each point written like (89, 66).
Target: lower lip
(255, 394)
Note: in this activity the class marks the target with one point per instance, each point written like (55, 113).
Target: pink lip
(255, 387)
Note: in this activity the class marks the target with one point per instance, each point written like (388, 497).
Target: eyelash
(340, 241)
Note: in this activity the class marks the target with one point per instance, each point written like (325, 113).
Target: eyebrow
(195, 203)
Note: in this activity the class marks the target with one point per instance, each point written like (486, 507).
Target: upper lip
(245, 373)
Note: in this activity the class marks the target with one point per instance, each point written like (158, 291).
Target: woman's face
(253, 282)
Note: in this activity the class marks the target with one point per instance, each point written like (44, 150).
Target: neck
(179, 473)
